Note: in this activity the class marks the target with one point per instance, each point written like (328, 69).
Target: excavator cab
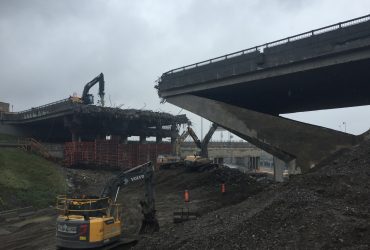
(88, 99)
(86, 222)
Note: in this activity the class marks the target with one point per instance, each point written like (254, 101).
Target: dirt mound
(327, 208)
(204, 189)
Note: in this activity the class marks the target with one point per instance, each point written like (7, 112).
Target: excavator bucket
(184, 215)
(149, 226)
(149, 223)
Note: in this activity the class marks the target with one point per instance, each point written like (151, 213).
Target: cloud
(50, 49)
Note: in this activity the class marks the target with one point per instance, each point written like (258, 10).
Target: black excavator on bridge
(95, 221)
(89, 98)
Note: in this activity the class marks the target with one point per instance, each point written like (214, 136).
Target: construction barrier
(111, 154)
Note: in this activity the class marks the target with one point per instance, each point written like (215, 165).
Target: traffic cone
(223, 189)
(186, 196)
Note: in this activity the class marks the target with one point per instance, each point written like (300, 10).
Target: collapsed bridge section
(67, 120)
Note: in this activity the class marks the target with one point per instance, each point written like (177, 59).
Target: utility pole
(201, 128)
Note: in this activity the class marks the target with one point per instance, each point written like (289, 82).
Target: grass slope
(27, 179)
(7, 137)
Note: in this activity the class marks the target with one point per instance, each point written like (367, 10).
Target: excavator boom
(207, 138)
(195, 138)
(88, 98)
(142, 172)
(179, 141)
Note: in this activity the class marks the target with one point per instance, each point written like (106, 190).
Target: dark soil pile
(328, 208)
(204, 189)
(205, 196)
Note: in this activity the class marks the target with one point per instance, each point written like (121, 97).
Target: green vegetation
(27, 179)
(7, 137)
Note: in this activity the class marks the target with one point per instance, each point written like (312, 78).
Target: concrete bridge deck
(67, 120)
(320, 69)
(246, 91)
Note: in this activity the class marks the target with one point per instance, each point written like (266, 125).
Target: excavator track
(123, 243)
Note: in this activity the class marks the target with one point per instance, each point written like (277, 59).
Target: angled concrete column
(174, 135)
(158, 138)
(295, 143)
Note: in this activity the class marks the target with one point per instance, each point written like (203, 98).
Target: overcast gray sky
(51, 48)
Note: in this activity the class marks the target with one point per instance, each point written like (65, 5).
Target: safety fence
(112, 154)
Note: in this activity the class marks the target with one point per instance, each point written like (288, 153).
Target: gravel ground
(328, 208)
(204, 188)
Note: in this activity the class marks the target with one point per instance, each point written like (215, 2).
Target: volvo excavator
(95, 221)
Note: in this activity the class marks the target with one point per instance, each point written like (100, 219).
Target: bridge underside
(276, 135)
(335, 86)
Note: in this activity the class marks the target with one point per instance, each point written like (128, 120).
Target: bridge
(68, 120)
(246, 91)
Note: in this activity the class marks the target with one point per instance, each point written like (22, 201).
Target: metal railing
(28, 144)
(43, 106)
(260, 48)
(87, 206)
(36, 111)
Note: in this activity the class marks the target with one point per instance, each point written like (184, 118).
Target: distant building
(4, 107)
(242, 154)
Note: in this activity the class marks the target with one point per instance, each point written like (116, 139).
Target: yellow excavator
(95, 221)
(200, 159)
(173, 160)
(191, 161)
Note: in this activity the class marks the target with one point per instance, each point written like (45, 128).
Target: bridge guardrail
(43, 106)
(260, 48)
(37, 111)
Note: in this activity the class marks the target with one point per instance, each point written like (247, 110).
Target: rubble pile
(326, 208)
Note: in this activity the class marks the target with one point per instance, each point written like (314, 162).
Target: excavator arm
(88, 98)
(207, 138)
(179, 141)
(195, 138)
(142, 172)
(203, 146)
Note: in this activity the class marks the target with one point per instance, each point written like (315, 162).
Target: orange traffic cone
(223, 189)
(186, 196)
